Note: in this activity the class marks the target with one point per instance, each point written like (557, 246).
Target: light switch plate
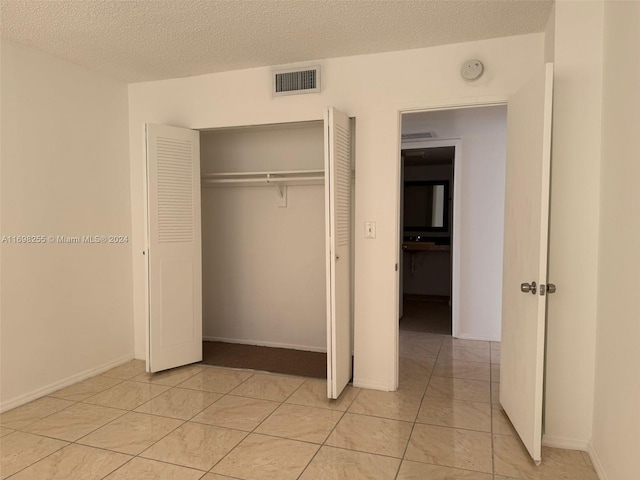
(369, 229)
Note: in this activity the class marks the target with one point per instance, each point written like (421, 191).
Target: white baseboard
(566, 443)
(597, 462)
(52, 387)
(465, 336)
(260, 343)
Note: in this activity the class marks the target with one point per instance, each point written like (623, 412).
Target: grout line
(259, 423)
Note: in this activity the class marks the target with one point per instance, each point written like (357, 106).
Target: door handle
(528, 288)
(549, 288)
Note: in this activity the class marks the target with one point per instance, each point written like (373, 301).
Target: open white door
(337, 167)
(525, 257)
(174, 330)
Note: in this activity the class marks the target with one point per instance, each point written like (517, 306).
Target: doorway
(426, 225)
(450, 275)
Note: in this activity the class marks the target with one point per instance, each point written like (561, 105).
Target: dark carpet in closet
(269, 359)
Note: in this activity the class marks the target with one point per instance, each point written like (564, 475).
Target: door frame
(436, 106)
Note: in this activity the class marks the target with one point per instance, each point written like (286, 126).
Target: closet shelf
(277, 179)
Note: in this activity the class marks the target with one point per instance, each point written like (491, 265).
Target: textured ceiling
(139, 40)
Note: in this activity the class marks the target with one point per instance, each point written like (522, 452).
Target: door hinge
(396, 267)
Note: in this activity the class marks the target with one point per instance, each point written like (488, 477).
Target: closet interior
(263, 242)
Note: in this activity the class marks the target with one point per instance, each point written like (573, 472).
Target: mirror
(426, 206)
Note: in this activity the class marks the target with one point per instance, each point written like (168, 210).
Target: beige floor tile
(19, 450)
(587, 459)
(451, 447)
(461, 369)
(415, 373)
(448, 412)
(75, 462)
(419, 350)
(218, 380)
(400, 405)
(371, 434)
(268, 387)
(82, 390)
(500, 421)
(297, 422)
(415, 389)
(460, 389)
(215, 476)
(495, 356)
(313, 393)
(452, 352)
(416, 367)
(179, 403)
(74, 422)
(259, 457)
(421, 338)
(127, 395)
(464, 343)
(127, 370)
(170, 377)
(495, 373)
(558, 458)
(5, 431)
(338, 464)
(132, 433)
(241, 413)
(512, 460)
(20, 417)
(143, 469)
(195, 445)
(495, 393)
(421, 471)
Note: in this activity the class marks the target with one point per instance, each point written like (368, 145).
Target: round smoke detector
(472, 70)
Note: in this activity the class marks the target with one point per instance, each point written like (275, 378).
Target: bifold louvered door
(338, 231)
(174, 335)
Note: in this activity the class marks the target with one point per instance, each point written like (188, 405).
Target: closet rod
(270, 174)
(277, 179)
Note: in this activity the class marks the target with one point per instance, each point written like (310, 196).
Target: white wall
(482, 236)
(616, 419)
(573, 231)
(66, 309)
(374, 89)
(264, 266)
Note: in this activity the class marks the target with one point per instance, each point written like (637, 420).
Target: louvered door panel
(175, 190)
(342, 167)
(174, 253)
(338, 228)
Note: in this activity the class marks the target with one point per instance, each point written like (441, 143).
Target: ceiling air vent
(296, 80)
(417, 136)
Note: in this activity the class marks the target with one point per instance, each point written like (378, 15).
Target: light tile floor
(209, 423)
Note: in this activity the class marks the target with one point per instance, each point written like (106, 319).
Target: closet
(263, 245)
(249, 235)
